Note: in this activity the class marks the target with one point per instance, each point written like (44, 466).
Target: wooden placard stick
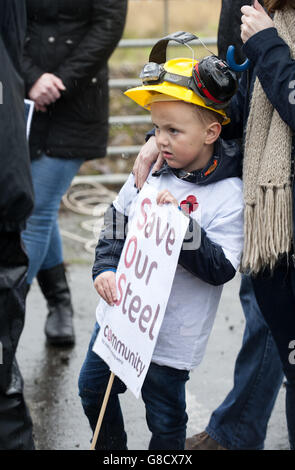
(102, 410)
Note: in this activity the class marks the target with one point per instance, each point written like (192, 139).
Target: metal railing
(150, 42)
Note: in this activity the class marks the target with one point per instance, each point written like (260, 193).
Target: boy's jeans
(240, 422)
(163, 393)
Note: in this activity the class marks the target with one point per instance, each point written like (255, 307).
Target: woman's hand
(46, 90)
(148, 154)
(165, 197)
(105, 284)
(254, 19)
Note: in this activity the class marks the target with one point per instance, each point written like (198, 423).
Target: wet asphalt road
(51, 374)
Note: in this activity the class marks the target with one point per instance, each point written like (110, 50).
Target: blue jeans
(163, 393)
(51, 179)
(240, 422)
(275, 295)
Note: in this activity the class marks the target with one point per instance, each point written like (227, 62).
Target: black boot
(59, 327)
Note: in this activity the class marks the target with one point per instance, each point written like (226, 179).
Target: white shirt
(193, 303)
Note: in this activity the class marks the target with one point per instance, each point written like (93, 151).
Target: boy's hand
(105, 284)
(165, 197)
(149, 153)
(254, 19)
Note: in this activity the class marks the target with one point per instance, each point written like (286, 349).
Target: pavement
(51, 374)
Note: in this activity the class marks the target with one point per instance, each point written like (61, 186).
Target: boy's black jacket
(208, 262)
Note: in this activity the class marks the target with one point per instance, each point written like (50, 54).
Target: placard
(129, 329)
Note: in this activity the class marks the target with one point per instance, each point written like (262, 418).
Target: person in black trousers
(16, 203)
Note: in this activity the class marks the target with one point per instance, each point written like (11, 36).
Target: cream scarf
(267, 172)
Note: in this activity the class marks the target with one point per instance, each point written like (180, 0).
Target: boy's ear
(213, 132)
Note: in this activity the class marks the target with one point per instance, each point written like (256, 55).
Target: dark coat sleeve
(276, 71)
(16, 191)
(111, 242)
(93, 52)
(31, 72)
(208, 262)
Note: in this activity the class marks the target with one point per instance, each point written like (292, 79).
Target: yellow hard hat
(174, 79)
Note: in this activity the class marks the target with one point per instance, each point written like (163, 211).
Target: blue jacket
(208, 262)
(272, 64)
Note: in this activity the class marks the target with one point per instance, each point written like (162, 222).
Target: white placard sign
(129, 329)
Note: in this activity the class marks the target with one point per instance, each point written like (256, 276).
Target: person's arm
(208, 262)
(110, 243)
(273, 63)
(107, 254)
(113, 235)
(212, 255)
(216, 251)
(275, 70)
(105, 31)
(16, 189)
(30, 71)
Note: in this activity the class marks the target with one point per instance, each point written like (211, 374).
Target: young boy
(200, 174)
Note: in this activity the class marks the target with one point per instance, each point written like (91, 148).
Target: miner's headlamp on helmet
(208, 83)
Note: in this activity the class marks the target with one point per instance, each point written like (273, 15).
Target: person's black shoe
(59, 328)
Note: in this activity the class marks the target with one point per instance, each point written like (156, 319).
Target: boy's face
(182, 137)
